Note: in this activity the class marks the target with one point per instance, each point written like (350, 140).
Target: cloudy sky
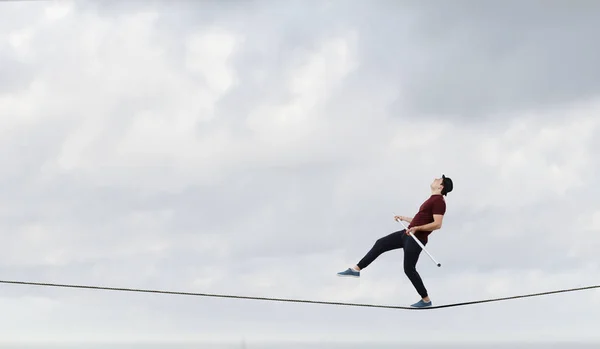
(258, 147)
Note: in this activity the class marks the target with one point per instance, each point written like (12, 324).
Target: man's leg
(387, 243)
(411, 255)
(384, 244)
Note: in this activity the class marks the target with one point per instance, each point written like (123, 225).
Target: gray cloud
(475, 61)
(257, 148)
(15, 74)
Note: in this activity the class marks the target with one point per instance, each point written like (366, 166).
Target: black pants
(412, 250)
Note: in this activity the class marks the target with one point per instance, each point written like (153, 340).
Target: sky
(257, 148)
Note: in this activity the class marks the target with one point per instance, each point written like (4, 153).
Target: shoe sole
(348, 276)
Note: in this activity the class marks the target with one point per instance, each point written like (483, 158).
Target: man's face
(437, 182)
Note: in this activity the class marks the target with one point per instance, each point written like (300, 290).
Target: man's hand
(412, 230)
(402, 218)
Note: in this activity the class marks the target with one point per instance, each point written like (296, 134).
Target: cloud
(255, 149)
(473, 63)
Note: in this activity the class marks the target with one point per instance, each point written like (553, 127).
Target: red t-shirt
(434, 205)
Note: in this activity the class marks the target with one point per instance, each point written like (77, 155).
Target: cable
(291, 300)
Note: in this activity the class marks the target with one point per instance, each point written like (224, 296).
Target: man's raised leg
(384, 244)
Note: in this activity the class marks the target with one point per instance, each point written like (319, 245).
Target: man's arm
(436, 224)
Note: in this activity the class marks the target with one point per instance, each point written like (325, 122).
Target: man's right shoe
(421, 304)
(349, 273)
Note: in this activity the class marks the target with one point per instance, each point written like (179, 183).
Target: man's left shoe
(421, 304)
(349, 272)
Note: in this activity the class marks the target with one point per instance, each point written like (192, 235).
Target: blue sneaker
(421, 304)
(349, 273)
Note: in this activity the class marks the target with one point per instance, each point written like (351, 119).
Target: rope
(291, 300)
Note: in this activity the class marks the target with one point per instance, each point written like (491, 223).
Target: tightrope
(214, 295)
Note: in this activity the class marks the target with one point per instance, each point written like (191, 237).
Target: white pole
(420, 244)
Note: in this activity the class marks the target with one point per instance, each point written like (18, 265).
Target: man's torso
(435, 204)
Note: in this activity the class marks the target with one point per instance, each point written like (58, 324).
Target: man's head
(442, 185)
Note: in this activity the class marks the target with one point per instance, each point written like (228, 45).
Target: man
(428, 219)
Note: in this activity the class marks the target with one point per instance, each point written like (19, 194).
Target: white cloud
(58, 11)
(543, 154)
(291, 127)
(207, 55)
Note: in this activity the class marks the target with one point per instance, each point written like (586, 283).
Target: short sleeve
(439, 207)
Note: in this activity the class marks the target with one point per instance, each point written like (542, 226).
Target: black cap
(447, 183)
